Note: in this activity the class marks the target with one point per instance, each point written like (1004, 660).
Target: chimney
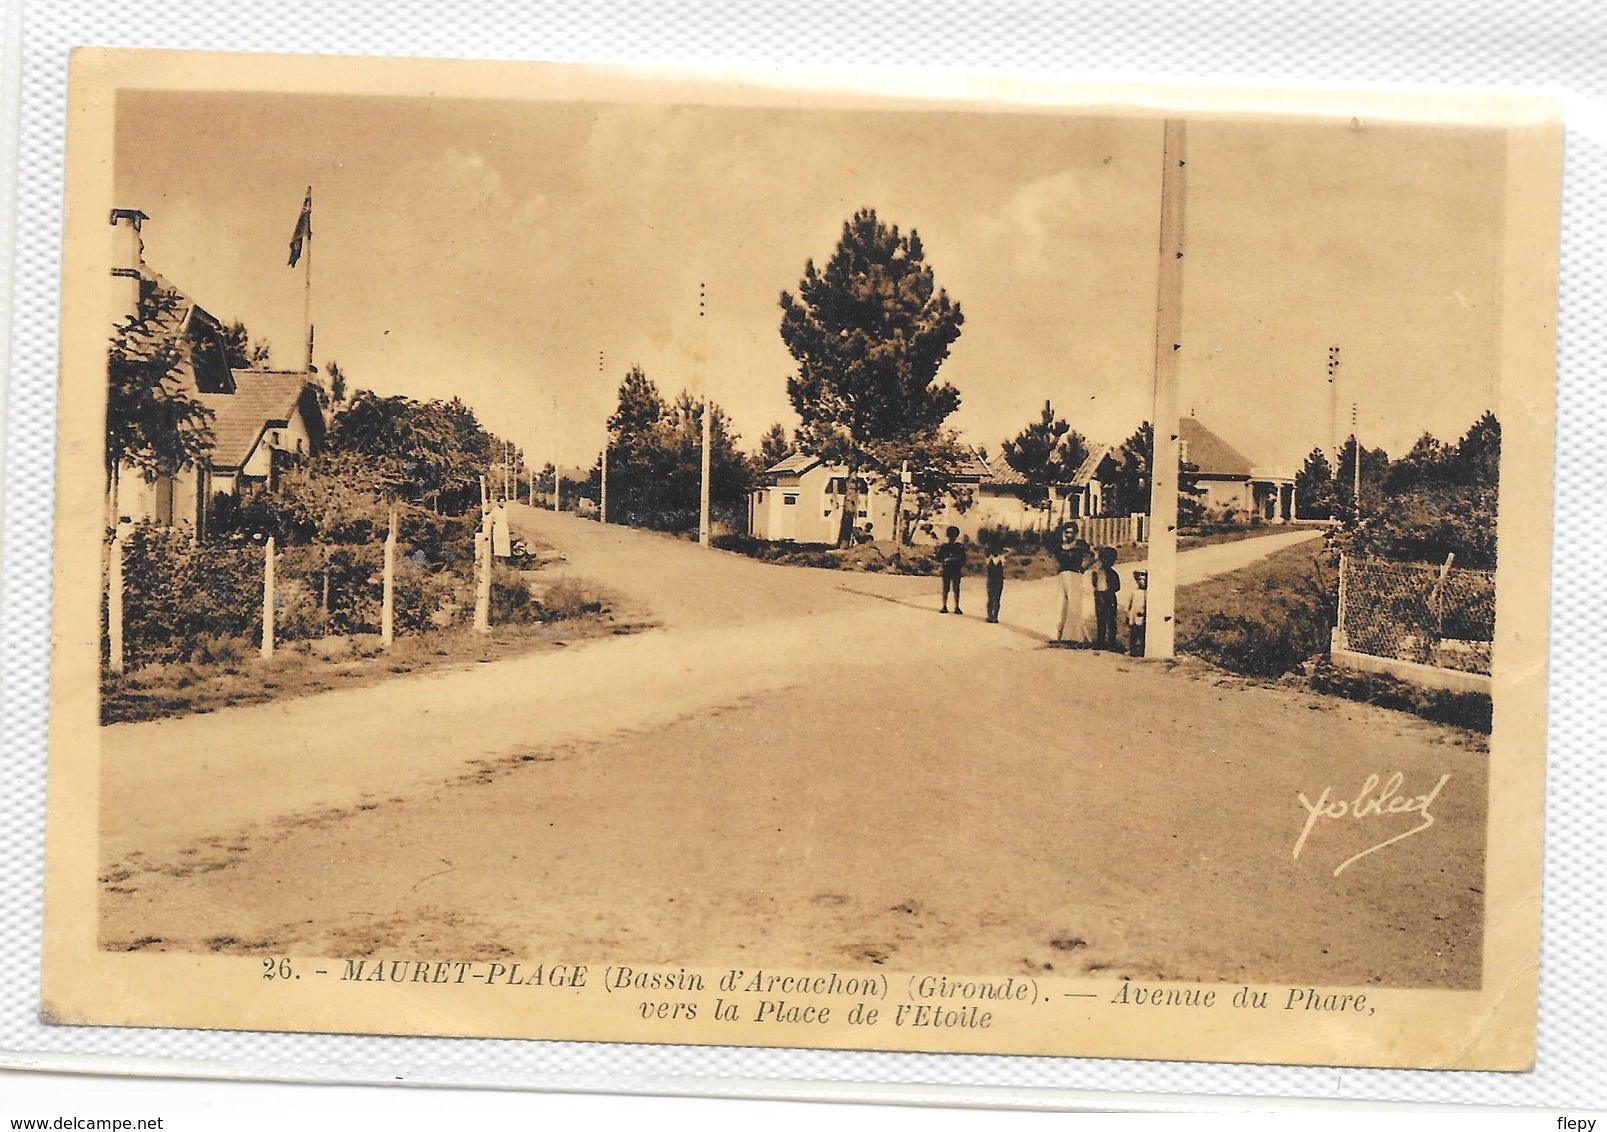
(128, 257)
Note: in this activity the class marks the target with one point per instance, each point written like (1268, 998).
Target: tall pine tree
(869, 333)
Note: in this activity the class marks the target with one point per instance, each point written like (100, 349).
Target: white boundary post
(482, 579)
(114, 602)
(1339, 642)
(267, 599)
(387, 616)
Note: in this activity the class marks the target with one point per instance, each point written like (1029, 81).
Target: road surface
(807, 768)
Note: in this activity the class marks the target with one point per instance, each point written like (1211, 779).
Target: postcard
(808, 560)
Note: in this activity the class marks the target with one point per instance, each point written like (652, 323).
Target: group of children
(1074, 557)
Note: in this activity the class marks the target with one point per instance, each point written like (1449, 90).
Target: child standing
(1137, 609)
(951, 557)
(995, 581)
(1106, 585)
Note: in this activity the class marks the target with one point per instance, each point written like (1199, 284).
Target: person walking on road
(951, 558)
(1072, 560)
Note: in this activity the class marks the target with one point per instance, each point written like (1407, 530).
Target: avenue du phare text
(764, 996)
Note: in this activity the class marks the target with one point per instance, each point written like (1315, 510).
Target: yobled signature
(1371, 801)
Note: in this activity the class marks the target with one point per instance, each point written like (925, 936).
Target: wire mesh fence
(1426, 614)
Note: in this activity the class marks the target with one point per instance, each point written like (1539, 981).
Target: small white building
(1235, 489)
(802, 501)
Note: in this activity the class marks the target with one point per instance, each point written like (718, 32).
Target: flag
(303, 228)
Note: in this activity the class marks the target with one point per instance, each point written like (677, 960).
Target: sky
(493, 250)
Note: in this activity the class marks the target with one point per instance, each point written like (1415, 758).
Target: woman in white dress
(1076, 593)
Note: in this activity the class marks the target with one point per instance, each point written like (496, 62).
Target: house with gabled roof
(1235, 489)
(269, 423)
(262, 421)
(801, 497)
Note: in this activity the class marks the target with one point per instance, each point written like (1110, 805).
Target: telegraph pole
(1355, 469)
(1165, 421)
(602, 504)
(557, 481)
(703, 367)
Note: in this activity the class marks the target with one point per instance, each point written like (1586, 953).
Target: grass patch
(1264, 619)
(1272, 619)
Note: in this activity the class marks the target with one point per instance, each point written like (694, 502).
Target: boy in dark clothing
(995, 581)
(1107, 583)
(951, 557)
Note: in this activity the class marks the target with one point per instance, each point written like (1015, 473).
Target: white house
(802, 499)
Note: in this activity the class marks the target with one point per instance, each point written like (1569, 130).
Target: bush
(437, 540)
(179, 598)
(816, 554)
(1008, 538)
(512, 602)
(430, 598)
(1267, 644)
(516, 601)
(352, 576)
(568, 597)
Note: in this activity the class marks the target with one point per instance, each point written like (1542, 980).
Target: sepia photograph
(569, 553)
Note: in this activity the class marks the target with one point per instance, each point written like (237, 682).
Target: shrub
(512, 602)
(1008, 538)
(430, 598)
(517, 601)
(178, 598)
(815, 554)
(352, 577)
(571, 597)
(1267, 644)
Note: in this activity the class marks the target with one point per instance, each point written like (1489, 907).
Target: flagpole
(306, 303)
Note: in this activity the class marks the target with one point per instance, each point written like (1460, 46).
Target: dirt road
(812, 768)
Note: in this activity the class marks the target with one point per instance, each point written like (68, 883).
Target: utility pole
(557, 482)
(1165, 421)
(1355, 470)
(602, 505)
(1333, 405)
(703, 367)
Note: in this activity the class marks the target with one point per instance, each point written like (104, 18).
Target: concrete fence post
(114, 602)
(482, 581)
(1339, 641)
(267, 599)
(387, 613)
